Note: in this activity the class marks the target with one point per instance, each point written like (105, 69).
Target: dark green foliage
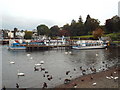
(54, 31)
(113, 25)
(43, 30)
(28, 35)
(90, 25)
(79, 28)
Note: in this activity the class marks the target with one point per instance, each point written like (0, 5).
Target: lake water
(56, 62)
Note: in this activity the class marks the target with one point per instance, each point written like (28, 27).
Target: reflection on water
(57, 62)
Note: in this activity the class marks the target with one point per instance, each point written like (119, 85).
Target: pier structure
(44, 47)
(50, 44)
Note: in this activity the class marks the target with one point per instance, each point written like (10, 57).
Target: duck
(67, 72)
(20, 74)
(36, 69)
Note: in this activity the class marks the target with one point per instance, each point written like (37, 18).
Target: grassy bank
(114, 36)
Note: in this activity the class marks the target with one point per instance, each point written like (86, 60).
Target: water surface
(57, 62)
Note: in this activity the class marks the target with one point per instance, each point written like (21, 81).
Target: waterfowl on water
(67, 72)
(17, 85)
(96, 54)
(20, 74)
(11, 62)
(38, 64)
(66, 52)
(36, 69)
(28, 55)
(41, 62)
(70, 52)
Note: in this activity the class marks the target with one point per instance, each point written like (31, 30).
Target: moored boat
(15, 45)
(91, 44)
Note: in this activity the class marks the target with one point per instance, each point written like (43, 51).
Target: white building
(10, 34)
(20, 34)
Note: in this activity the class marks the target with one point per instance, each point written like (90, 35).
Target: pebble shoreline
(103, 79)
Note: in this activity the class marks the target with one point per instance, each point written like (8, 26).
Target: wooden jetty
(5, 41)
(34, 47)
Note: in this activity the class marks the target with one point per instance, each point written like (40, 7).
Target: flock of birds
(38, 66)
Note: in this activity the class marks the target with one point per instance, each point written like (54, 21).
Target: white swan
(20, 74)
(96, 54)
(38, 64)
(28, 55)
(115, 77)
(11, 62)
(70, 52)
(41, 62)
(66, 52)
(108, 77)
(94, 84)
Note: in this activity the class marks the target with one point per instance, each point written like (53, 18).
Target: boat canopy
(16, 43)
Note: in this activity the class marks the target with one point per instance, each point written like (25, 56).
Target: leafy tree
(43, 30)
(90, 24)
(64, 33)
(28, 34)
(67, 28)
(77, 28)
(98, 33)
(113, 24)
(54, 31)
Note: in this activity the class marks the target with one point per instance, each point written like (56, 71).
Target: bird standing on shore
(67, 72)
(17, 85)
(75, 85)
(94, 84)
(44, 85)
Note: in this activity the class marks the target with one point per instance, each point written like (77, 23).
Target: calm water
(56, 62)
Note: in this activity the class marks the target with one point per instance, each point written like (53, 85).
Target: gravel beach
(103, 79)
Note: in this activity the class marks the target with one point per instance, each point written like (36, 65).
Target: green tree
(43, 30)
(67, 28)
(98, 33)
(28, 34)
(76, 28)
(90, 24)
(113, 24)
(54, 31)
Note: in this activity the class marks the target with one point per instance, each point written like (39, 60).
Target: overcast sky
(28, 14)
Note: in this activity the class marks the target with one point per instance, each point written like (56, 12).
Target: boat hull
(16, 48)
(88, 47)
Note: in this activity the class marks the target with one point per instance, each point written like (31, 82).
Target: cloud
(10, 22)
